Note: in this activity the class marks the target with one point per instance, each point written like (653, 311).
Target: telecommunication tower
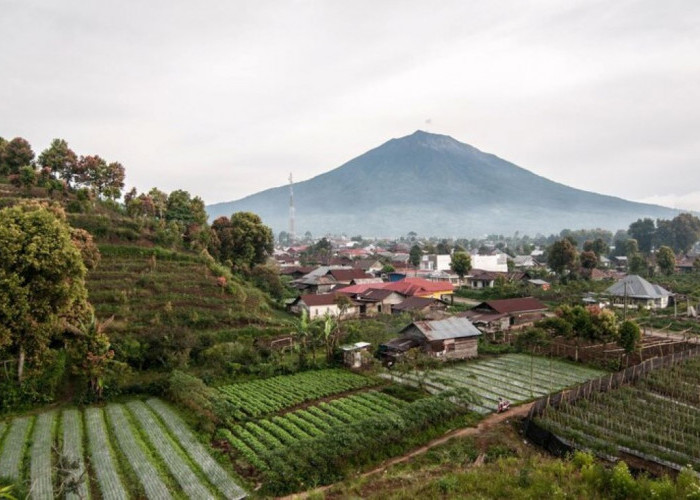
(292, 236)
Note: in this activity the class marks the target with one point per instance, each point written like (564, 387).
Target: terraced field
(253, 440)
(658, 418)
(516, 377)
(134, 450)
(262, 397)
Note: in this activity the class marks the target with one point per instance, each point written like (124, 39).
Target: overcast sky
(225, 98)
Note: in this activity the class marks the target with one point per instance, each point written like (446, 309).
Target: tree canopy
(666, 260)
(461, 264)
(562, 256)
(42, 280)
(243, 239)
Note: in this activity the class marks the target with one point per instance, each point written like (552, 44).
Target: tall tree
(666, 260)
(42, 280)
(461, 264)
(562, 256)
(184, 209)
(415, 255)
(89, 172)
(112, 180)
(589, 260)
(16, 154)
(643, 231)
(686, 230)
(244, 239)
(60, 159)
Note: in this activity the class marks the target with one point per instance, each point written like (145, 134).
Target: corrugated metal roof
(449, 328)
(637, 287)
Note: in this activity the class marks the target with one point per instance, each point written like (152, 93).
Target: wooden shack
(450, 338)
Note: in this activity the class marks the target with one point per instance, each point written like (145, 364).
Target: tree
(42, 280)
(686, 230)
(89, 170)
(415, 255)
(92, 354)
(16, 154)
(461, 264)
(112, 180)
(589, 260)
(243, 239)
(184, 209)
(562, 256)
(598, 246)
(643, 231)
(637, 264)
(442, 248)
(60, 159)
(629, 336)
(666, 260)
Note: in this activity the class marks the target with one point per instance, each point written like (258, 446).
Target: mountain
(436, 186)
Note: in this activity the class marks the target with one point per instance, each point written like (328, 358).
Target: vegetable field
(133, 450)
(263, 397)
(253, 440)
(658, 418)
(516, 377)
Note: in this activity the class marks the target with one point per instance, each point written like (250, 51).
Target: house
(368, 265)
(435, 262)
(497, 263)
(419, 306)
(295, 272)
(635, 291)
(347, 276)
(450, 338)
(373, 301)
(525, 262)
(319, 305)
(685, 264)
(501, 315)
(480, 278)
(409, 287)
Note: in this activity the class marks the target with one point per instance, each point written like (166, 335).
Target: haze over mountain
(436, 186)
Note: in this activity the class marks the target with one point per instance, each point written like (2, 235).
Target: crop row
(515, 377)
(254, 440)
(658, 417)
(263, 397)
(134, 450)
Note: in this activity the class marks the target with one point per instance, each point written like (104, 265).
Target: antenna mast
(292, 236)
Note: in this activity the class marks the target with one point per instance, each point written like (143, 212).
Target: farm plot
(263, 397)
(658, 418)
(134, 451)
(254, 440)
(515, 377)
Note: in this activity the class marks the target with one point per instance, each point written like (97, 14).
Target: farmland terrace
(657, 418)
(133, 450)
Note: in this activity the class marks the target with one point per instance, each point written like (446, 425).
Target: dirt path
(486, 424)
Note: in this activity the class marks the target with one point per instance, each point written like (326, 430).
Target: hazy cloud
(226, 98)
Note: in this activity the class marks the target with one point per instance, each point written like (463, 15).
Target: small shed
(450, 338)
(356, 355)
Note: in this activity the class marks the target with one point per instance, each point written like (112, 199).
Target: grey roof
(637, 287)
(449, 328)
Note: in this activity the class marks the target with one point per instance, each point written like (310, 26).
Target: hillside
(436, 185)
(167, 303)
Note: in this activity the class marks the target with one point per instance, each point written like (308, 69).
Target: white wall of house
(497, 263)
(434, 262)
